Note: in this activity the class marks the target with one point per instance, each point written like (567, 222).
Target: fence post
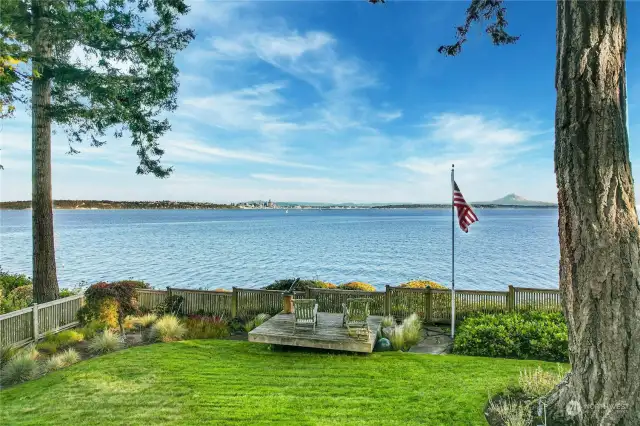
(428, 311)
(307, 293)
(387, 300)
(36, 326)
(234, 302)
(511, 299)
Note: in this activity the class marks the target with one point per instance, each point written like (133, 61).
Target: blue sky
(339, 101)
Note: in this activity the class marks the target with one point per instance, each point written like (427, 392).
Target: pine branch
(478, 11)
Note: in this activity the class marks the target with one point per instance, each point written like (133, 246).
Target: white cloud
(390, 115)
(245, 109)
(270, 47)
(194, 151)
(475, 129)
(294, 179)
(481, 148)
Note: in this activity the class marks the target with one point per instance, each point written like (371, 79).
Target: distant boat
(286, 211)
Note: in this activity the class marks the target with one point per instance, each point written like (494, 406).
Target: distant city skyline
(337, 102)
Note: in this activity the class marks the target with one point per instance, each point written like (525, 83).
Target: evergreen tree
(92, 68)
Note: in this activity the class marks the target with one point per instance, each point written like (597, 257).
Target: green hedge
(523, 335)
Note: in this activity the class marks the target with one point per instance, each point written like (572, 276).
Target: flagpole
(453, 256)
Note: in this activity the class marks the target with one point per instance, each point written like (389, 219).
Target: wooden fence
(29, 324)
(331, 300)
(433, 306)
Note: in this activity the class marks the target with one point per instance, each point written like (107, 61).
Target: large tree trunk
(598, 226)
(45, 283)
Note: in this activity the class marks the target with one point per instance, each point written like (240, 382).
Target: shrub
(538, 382)
(132, 283)
(66, 292)
(67, 338)
(21, 367)
(171, 305)
(121, 294)
(526, 335)
(90, 329)
(511, 413)
(47, 347)
(357, 285)
(301, 285)
(388, 321)
(9, 282)
(61, 360)
(206, 327)
(423, 284)
(260, 319)
(167, 329)
(107, 341)
(18, 298)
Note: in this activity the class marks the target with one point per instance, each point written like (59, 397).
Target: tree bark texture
(45, 283)
(598, 225)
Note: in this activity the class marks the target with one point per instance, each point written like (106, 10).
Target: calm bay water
(251, 248)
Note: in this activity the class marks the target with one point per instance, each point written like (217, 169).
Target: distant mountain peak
(514, 199)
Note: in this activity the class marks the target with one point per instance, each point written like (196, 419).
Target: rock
(382, 345)
(386, 331)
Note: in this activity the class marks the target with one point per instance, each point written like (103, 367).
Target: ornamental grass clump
(47, 348)
(62, 360)
(21, 367)
(167, 329)
(511, 413)
(412, 330)
(388, 321)
(260, 319)
(538, 382)
(146, 320)
(206, 327)
(107, 341)
(396, 337)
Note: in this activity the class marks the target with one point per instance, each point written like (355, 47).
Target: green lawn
(231, 382)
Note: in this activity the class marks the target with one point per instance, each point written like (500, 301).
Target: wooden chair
(355, 313)
(305, 313)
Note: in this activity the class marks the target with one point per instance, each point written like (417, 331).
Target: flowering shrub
(300, 285)
(357, 285)
(423, 284)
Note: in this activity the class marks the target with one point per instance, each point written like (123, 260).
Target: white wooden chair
(305, 313)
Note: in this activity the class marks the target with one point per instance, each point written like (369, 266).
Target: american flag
(466, 216)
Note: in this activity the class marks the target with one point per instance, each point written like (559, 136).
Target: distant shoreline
(185, 205)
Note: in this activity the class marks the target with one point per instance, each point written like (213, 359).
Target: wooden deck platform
(330, 334)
